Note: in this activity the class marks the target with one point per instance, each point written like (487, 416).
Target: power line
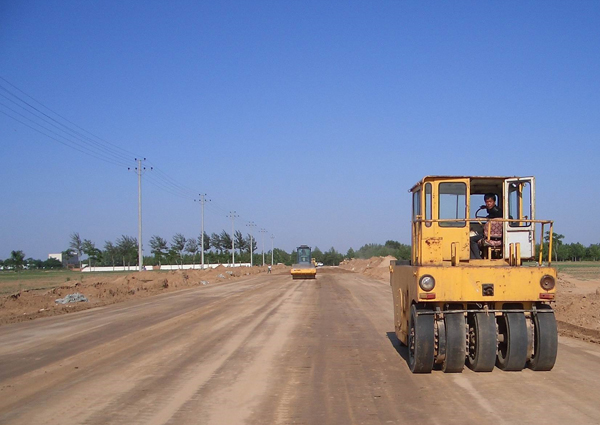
(64, 143)
(160, 185)
(67, 141)
(169, 181)
(125, 152)
(79, 139)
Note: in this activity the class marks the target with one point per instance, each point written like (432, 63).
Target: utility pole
(263, 231)
(203, 201)
(272, 237)
(139, 169)
(233, 216)
(251, 225)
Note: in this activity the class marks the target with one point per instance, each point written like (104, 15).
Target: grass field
(11, 282)
(579, 269)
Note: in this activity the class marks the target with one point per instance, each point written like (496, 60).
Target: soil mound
(109, 289)
(377, 267)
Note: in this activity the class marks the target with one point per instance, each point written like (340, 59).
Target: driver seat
(492, 239)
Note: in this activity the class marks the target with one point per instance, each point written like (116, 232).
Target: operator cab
(304, 254)
(449, 213)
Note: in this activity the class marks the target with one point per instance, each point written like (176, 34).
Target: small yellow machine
(304, 268)
(473, 291)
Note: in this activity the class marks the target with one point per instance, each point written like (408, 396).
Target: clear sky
(310, 118)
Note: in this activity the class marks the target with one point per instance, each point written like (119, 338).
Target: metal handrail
(481, 220)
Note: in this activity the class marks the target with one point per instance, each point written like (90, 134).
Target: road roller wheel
(512, 347)
(420, 342)
(545, 340)
(455, 343)
(482, 342)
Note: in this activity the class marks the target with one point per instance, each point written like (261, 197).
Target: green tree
(89, 249)
(350, 254)
(563, 252)
(254, 245)
(557, 239)
(52, 263)
(17, 260)
(159, 247)
(240, 242)
(577, 251)
(206, 241)
(178, 244)
(332, 257)
(317, 254)
(127, 249)
(280, 256)
(110, 252)
(33, 264)
(225, 241)
(67, 254)
(172, 256)
(593, 252)
(393, 244)
(191, 246)
(76, 245)
(215, 242)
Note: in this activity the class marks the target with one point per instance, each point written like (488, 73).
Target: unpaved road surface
(267, 350)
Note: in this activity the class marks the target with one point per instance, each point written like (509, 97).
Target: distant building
(71, 261)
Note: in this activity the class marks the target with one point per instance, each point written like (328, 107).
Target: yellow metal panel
(432, 248)
(304, 272)
(464, 284)
(435, 244)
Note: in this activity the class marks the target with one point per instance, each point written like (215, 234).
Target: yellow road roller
(304, 268)
(474, 291)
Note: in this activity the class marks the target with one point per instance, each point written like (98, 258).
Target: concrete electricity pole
(233, 216)
(263, 231)
(251, 225)
(139, 169)
(203, 201)
(272, 237)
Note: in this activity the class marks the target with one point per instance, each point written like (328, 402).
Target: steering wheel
(477, 212)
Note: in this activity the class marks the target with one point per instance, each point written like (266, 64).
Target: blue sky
(311, 119)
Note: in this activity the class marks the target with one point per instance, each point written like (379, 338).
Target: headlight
(427, 283)
(547, 282)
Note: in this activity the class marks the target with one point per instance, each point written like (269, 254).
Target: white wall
(163, 267)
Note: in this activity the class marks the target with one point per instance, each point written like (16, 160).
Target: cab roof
(429, 178)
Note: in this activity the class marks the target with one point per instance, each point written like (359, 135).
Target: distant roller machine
(474, 291)
(305, 267)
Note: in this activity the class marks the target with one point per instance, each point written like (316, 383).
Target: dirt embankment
(376, 267)
(577, 303)
(31, 304)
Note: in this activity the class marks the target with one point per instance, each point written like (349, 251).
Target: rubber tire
(512, 353)
(546, 340)
(455, 343)
(421, 361)
(486, 342)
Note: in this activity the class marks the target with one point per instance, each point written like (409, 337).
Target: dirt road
(266, 350)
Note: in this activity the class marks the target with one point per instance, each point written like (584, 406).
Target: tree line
(569, 251)
(178, 251)
(217, 246)
(18, 262)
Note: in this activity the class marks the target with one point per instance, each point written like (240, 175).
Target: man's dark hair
(488, 196)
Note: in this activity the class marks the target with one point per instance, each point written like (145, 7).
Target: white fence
(163, 267)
